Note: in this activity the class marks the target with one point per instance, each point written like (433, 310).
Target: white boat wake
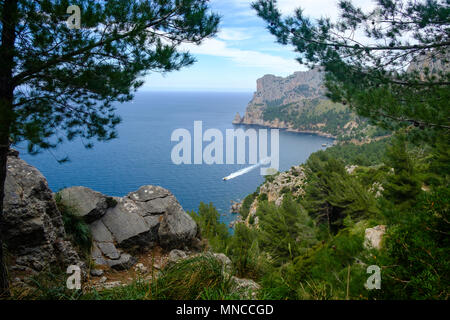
(247, 170)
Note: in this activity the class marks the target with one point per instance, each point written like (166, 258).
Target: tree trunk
(9, 22)
(4, 283)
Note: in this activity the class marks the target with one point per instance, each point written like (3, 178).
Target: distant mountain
(298, 103)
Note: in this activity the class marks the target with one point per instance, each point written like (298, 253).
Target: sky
(242, 51)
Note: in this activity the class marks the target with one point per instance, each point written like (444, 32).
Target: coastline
(287, 129)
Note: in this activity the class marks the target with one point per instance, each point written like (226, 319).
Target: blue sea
(142, 153)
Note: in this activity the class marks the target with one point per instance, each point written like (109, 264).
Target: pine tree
(59, 83)
(285, 231)
(403, 184)
(389, 64)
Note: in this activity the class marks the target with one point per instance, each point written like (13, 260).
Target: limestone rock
(126, 225)
(177, 228)
(33, 229)
(140, 268)
(89, 204)
(141, 220)
(226, 262)
(125, 262)
(246, 288)
(374, 237)
(237, 119)
(109, 250)
(97, 272)
(176, 255)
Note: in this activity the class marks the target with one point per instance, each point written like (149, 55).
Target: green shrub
(208, 220)
(246, 204)
(195, 278)
(285, 231)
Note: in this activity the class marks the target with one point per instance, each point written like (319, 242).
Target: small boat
(324, 145)
(225, 179)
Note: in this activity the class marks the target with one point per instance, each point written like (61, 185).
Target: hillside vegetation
(311, 244)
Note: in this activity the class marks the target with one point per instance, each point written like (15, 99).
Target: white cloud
(312, 8)
(234, 34)
(244, 58)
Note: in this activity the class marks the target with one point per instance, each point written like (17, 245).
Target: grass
(196, 278)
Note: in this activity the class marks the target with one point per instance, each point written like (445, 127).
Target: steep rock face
(298, 103)
(32, 227)
(272, 90)
(434, 61)
(139, 221)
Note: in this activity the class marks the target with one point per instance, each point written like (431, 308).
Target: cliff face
(278, 91)
(32, 225)
(298, 103)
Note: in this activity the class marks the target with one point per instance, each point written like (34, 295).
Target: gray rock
(177, 228)
(127, 226)
(148, 193)
(89, 204)
(109, 250)
(226, 262)
(97, 255)
(246, 288)
(99, 232)
(32, 225)
(97, 272)
(125, 262)
(176, 255)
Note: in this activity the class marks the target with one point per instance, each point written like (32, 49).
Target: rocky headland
(298, 103)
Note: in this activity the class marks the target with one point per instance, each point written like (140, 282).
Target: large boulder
(141, 220)
(32, 226)
(89, 204)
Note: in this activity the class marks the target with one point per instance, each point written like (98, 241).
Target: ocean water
(142, 153)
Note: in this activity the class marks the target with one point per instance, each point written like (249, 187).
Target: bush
(195, 278)
(417, 252)
(208, 219)
(246, 204)
(285, 231)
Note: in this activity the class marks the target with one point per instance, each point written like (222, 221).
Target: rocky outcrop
(34, 234)
(32, 226)
(374, 237)
(235, 207)
(237, 119)
(89, 204)
(298, 103)
(274, 189)
(277, 91)
(141, 220)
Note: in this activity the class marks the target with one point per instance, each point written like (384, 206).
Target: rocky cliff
(32, 226)
(298, 103)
